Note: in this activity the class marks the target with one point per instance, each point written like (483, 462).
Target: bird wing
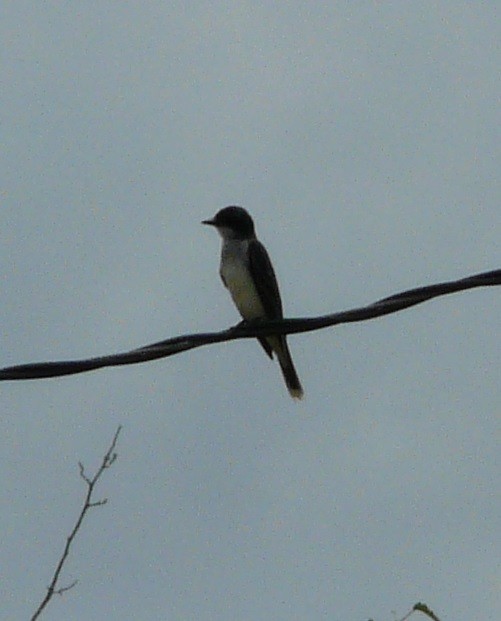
(266, 284)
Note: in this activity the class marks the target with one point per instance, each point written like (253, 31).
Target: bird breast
(237, 278)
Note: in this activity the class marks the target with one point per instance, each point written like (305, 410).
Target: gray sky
(364, 139)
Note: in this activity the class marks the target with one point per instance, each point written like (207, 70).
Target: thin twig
(108, 461)
(175, 345)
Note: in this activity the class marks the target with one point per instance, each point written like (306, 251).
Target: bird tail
(288, 371)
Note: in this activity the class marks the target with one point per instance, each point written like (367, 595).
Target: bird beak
(209, 222)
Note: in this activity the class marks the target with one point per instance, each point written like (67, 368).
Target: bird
(247, 272)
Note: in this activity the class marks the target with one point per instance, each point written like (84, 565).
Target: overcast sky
(364, 139)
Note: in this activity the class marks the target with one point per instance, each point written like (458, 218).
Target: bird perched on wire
(248, 274)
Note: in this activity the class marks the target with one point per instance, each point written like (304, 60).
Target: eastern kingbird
(247, 273)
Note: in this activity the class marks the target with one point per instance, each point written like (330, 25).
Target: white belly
(241, 287)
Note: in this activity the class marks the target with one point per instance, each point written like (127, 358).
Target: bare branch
(53, 589)
(178, 344)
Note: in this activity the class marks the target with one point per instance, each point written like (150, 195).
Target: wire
(178, 344)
